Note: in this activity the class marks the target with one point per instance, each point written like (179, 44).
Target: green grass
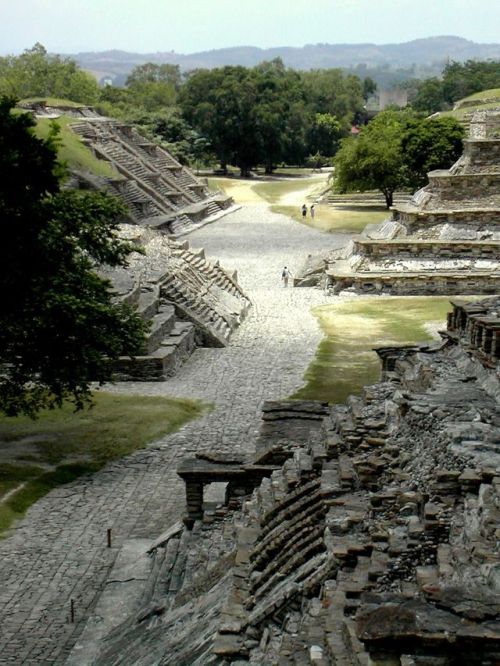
(344, 361)
(349, 219)
(272, 192)
(61, 445)
(72, 150)
(52, 101)
(493, 93)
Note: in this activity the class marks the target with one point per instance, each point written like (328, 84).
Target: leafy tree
(324, 135)
(150, 72)
(464, 79)
(57, 321)
(396, 150)
(35, 73)
(429, 144)
(459, 80)
(373, 159)
(429, 96)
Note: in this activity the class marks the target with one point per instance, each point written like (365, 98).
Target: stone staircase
(166, 195)
(186, 300)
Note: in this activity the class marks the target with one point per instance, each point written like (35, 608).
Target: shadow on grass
(61, 445)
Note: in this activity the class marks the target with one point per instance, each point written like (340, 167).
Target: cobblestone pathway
(59, 551)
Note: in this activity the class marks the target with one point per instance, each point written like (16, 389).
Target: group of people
(312, 210)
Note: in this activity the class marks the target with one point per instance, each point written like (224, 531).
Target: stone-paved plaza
(59, 552)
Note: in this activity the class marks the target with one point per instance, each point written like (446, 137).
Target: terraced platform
(445, 240)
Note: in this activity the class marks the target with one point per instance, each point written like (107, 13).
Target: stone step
(163, 362)
(161, 326)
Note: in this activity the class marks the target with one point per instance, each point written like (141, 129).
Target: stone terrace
(446, 240)
(376, 539)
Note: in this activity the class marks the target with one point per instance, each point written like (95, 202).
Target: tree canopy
(459, 80)
(270, 114)
(35, 73)
(58, 324)
(396, 150)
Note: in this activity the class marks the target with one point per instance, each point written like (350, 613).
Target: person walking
(285, 276)
(304, 211)
(313, 212)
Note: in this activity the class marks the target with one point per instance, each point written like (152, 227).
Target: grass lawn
(344, 362)
(274, 191)
(72, 150)
(58, 447)
(339, 218)
(53, 101)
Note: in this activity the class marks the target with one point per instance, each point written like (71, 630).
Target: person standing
(313, 212)
(304, 211)
(285, 276)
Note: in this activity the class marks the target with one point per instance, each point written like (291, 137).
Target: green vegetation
(61, 445)
(58, 324)
(344, 362)
(53, 101)
(71, 149)
(338, 218)
(395, 151)
(274, 191)
(36, 74)
(459, 80)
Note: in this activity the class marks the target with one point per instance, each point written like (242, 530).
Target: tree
(428, 144)
(397, 149)
(58, 324)
(373, 159)
(35, 73)
(429, 96)
(324, 135)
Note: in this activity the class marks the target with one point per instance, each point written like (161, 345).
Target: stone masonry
(374, 542)
(445, 240)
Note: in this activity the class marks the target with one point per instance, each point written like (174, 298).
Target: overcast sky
(187, 26)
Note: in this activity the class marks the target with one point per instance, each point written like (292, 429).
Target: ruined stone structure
(446, 240)
(187, 300)
(159, 191)
(364, 533)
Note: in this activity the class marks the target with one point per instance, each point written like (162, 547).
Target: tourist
(304, 210)
(313, 212)
(285, 276)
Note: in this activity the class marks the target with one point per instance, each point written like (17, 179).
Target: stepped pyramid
(187, 300)
(159, 191)
(445, 240)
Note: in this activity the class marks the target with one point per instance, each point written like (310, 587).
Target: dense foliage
(396, 150)
(57, 320)
(36, 74)
(270, 114)
(459, 80)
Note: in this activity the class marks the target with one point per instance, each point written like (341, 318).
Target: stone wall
(375, 541)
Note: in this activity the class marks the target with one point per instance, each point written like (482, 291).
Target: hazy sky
(186, 26)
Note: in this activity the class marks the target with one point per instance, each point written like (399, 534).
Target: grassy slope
(72, 150)
(61, 445)
(483, 101)
(344, 361)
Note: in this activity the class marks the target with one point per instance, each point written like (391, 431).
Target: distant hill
(429, 53)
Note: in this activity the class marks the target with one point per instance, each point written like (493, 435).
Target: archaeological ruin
(159, 192)
(363, 533)
(187, 300)
(356, 534)
(445, 240)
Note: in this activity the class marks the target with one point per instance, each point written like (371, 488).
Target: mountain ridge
(429, 52)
